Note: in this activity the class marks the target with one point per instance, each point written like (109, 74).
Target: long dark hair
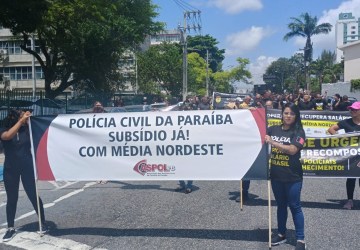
(12, 118)
(297, 125)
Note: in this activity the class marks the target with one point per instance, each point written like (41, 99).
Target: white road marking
(47, 205)
(57, 186)
(33, 241)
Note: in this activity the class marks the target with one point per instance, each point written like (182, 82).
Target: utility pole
(136, 75)
(207, 72)
(191, 22)
(32, 39)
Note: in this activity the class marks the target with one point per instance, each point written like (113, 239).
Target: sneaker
(188, 191)
(300, 245)
(10, 233)
(349, 204)
(278, 239)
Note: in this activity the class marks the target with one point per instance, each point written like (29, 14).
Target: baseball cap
(355, 105)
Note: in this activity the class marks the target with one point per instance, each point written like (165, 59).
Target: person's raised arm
(9, 134)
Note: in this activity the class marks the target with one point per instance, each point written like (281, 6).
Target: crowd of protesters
(304, 100)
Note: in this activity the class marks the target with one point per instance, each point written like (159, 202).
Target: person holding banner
(98, 108)
(18, 164)
(349, 125)
(286, 140)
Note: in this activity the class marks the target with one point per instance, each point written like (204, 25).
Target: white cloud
(246, 40)
(328, 42)
(236, 6)
(258, 68)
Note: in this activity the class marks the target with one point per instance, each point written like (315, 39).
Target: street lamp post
(185, 64)
(282, 80)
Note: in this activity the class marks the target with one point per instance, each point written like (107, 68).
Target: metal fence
(64, 104)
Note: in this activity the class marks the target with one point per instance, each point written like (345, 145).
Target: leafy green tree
(197, 74)
(288, 72)
(325, 69)
(204, 44)
(81, 41)
(223, 81)
(306, 26)
(239, 72)
(160, 68)
(22, 15)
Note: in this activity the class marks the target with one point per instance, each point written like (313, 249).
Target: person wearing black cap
(349, 125)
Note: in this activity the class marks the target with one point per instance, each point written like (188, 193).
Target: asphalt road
(151, 215)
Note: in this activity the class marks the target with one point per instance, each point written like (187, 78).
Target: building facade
(346, 31)
(351, 60)
(16, 65)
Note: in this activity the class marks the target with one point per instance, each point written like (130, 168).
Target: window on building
(39, 73)
(13, 47)
(352, 32)
(37, 47)
(21, 73)
(353, 27)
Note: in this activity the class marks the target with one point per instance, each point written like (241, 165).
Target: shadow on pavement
(147, 186)
(332, 204)
(260, 235)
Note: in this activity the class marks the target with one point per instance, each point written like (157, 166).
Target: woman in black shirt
(286, 173)
(18, 164)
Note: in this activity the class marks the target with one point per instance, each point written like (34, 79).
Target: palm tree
(306, 26)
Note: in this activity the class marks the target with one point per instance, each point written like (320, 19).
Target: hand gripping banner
(193, 145)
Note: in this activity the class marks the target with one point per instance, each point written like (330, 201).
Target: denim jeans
(288, 194)
(187, 185)
(245, 187)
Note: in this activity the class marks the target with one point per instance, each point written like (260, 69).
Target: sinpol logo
(142, 167)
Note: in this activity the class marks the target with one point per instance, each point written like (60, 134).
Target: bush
(355, 84)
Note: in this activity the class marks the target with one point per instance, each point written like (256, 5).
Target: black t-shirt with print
(348, 125)
(285, 167)
(319, 104)
(309, 105)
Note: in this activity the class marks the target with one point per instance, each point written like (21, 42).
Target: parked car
(175, 107)
(137, 108)
(158, 106)
(106, 109)
(38, 107)
(128, 108)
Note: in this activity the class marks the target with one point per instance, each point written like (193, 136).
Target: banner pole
(268, 149)
(241, 197)
(36, 180)
(269, 205)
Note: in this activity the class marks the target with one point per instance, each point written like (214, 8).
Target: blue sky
(254, 29)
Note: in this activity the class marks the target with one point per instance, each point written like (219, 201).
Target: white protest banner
(196, 145)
